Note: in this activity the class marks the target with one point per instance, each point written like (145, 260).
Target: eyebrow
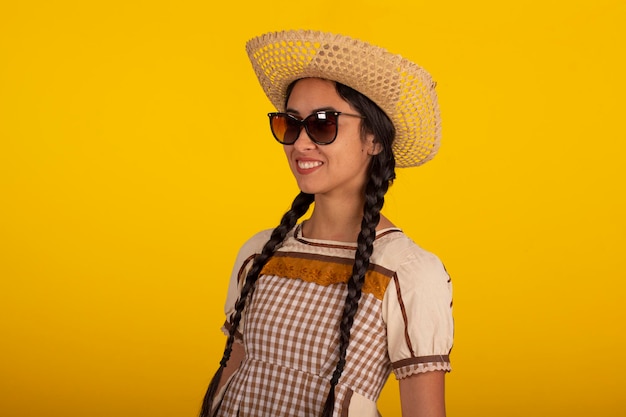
(296, 112)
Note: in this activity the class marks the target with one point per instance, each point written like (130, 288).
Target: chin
(309, 188)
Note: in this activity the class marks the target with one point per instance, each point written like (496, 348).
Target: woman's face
(340, 168)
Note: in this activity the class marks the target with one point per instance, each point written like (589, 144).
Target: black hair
(381, 175)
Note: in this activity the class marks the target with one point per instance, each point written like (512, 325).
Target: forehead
(310, 94)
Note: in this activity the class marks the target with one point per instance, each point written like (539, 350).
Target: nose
(303, 141)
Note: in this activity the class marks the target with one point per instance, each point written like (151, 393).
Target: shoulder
(250, 249)
(255, 243)
(396, 251)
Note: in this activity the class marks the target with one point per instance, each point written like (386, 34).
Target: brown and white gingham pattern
(291, 340)
(291, 337)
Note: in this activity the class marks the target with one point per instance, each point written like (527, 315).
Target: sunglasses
(321, 126)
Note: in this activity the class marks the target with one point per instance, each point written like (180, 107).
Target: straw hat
(404, 90)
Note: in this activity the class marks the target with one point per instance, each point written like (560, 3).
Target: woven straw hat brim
(404, 90)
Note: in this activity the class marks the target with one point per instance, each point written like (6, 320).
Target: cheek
(288, 150)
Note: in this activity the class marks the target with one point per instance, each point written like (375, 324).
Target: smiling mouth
(308, 164)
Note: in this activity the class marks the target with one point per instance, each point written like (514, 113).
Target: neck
(335, 219)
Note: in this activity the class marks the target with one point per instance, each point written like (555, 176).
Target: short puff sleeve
(242, 266)
(417, 309)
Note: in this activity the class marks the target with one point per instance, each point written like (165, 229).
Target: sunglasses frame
(303, 123)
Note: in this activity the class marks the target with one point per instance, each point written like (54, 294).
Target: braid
(381, 174)
(299, 207)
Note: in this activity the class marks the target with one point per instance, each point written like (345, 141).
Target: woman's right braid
(299, 207)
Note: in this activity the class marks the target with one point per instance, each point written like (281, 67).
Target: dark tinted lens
(285, 128)
(322, 127)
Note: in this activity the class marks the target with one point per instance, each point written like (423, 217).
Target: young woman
(321, 311)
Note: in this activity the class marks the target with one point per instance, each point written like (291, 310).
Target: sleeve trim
(421, 360)
(421, 368)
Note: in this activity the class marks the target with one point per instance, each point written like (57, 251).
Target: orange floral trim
(325, 271)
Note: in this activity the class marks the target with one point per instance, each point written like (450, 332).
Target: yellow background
(135, 159)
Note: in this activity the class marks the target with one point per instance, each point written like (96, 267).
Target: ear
(374, 148)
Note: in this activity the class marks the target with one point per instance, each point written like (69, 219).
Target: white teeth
(308, 164)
